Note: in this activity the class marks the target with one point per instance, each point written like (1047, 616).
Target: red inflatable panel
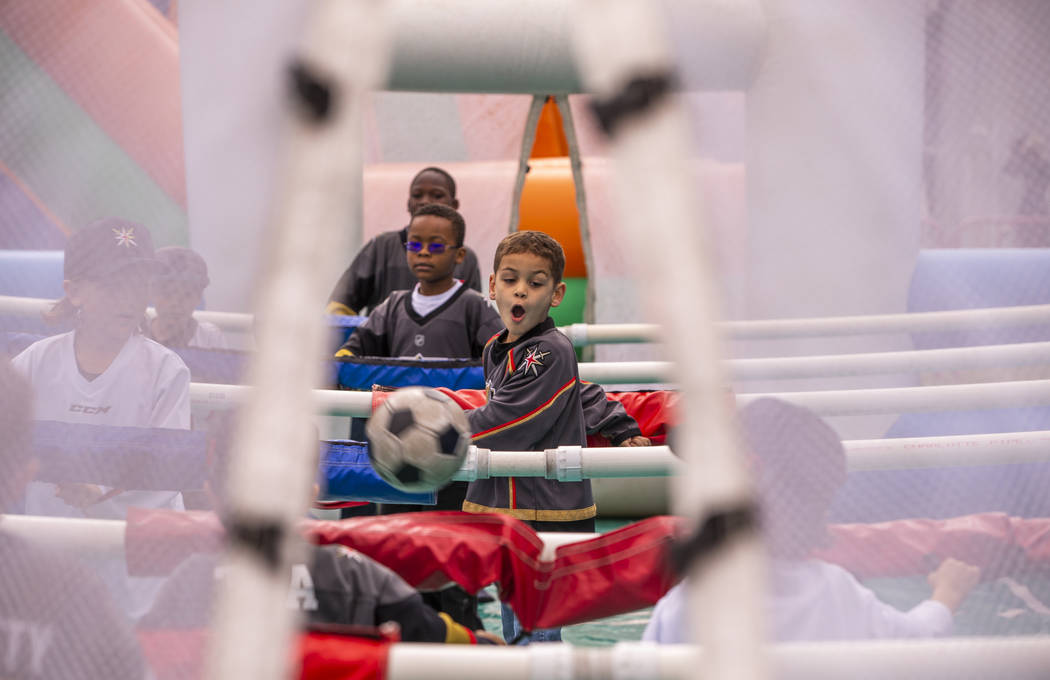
(338, 657)
(616, 572)
(157, 541)
(654, 411)
(174, 654)
(998, 544)
(179, 655)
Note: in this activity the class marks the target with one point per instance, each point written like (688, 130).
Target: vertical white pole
(620, 41)
(343, 55)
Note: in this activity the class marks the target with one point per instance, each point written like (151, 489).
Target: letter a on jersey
(301, 590)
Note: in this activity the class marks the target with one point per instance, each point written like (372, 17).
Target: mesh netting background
(887, 157)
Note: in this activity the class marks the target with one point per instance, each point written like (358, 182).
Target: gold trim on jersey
(455, 633)
(535, 515)
(344, 353)
(339, 308)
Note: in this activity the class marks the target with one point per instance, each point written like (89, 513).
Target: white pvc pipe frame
(573, 463)
(824, 403)
(591, 334)
(1021, 658)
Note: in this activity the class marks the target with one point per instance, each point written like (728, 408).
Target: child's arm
(470, 270)
(371, 339)
(952, 582)
(171, 403)
(486, 325)
(355, 286)
(608, 417)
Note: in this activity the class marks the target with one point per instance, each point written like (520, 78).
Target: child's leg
(511, 626)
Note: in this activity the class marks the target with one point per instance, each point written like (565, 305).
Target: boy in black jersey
(379, 268)
(535, 397)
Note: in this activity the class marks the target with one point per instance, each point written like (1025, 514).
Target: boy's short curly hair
(535, 243)
(444, 173)
(459, 226)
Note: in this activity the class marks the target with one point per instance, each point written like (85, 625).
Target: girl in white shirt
(104, 372)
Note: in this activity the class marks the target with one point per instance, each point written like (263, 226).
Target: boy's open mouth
(517, 312)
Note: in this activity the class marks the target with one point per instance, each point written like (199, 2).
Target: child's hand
(79, 495)
(636, 441)
(489, 637)
(953, 581)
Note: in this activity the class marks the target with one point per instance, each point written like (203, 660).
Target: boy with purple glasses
(379, 268)
(440, 316)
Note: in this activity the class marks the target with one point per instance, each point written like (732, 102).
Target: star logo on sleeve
(533, 361)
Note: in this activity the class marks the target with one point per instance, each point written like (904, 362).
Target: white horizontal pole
(1017, 658)
(34, 307)
(950, 451)
(835, 365)
(915, 399)
(526, 47)
(766, 329)
(588, 463)
(832, 365)
(832, 326)
(861, 454)
(87, 538)
(824, 403)
(105, 537)
(913, 322)
(330, 402)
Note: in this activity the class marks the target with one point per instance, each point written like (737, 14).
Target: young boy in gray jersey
(535, 397)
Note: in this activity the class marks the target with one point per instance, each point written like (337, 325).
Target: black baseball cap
(107, 246)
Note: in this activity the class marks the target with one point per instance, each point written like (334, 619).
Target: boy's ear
(454, 204)
(461, 252)
(559, 294)
(492, 286)
(72, 291)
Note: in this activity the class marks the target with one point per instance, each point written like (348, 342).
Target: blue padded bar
(348, 476)
(361, 373)
(131, 458)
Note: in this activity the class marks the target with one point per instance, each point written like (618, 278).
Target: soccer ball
(417, 439)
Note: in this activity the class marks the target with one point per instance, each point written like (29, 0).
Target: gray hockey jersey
(380, 268)
(338, 585)
(534, 403)
(458, 329)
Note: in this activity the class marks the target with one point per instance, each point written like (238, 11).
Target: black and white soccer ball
(417, 439)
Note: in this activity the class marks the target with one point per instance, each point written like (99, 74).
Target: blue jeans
(511, 629)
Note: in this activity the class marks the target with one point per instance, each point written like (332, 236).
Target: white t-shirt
(147, 385)
(425, 304)
(813, 601)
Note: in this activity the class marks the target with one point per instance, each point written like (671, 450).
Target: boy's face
(524, 290)
(431, 267)
(175, 298)
(113, 304)
(430, 187)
